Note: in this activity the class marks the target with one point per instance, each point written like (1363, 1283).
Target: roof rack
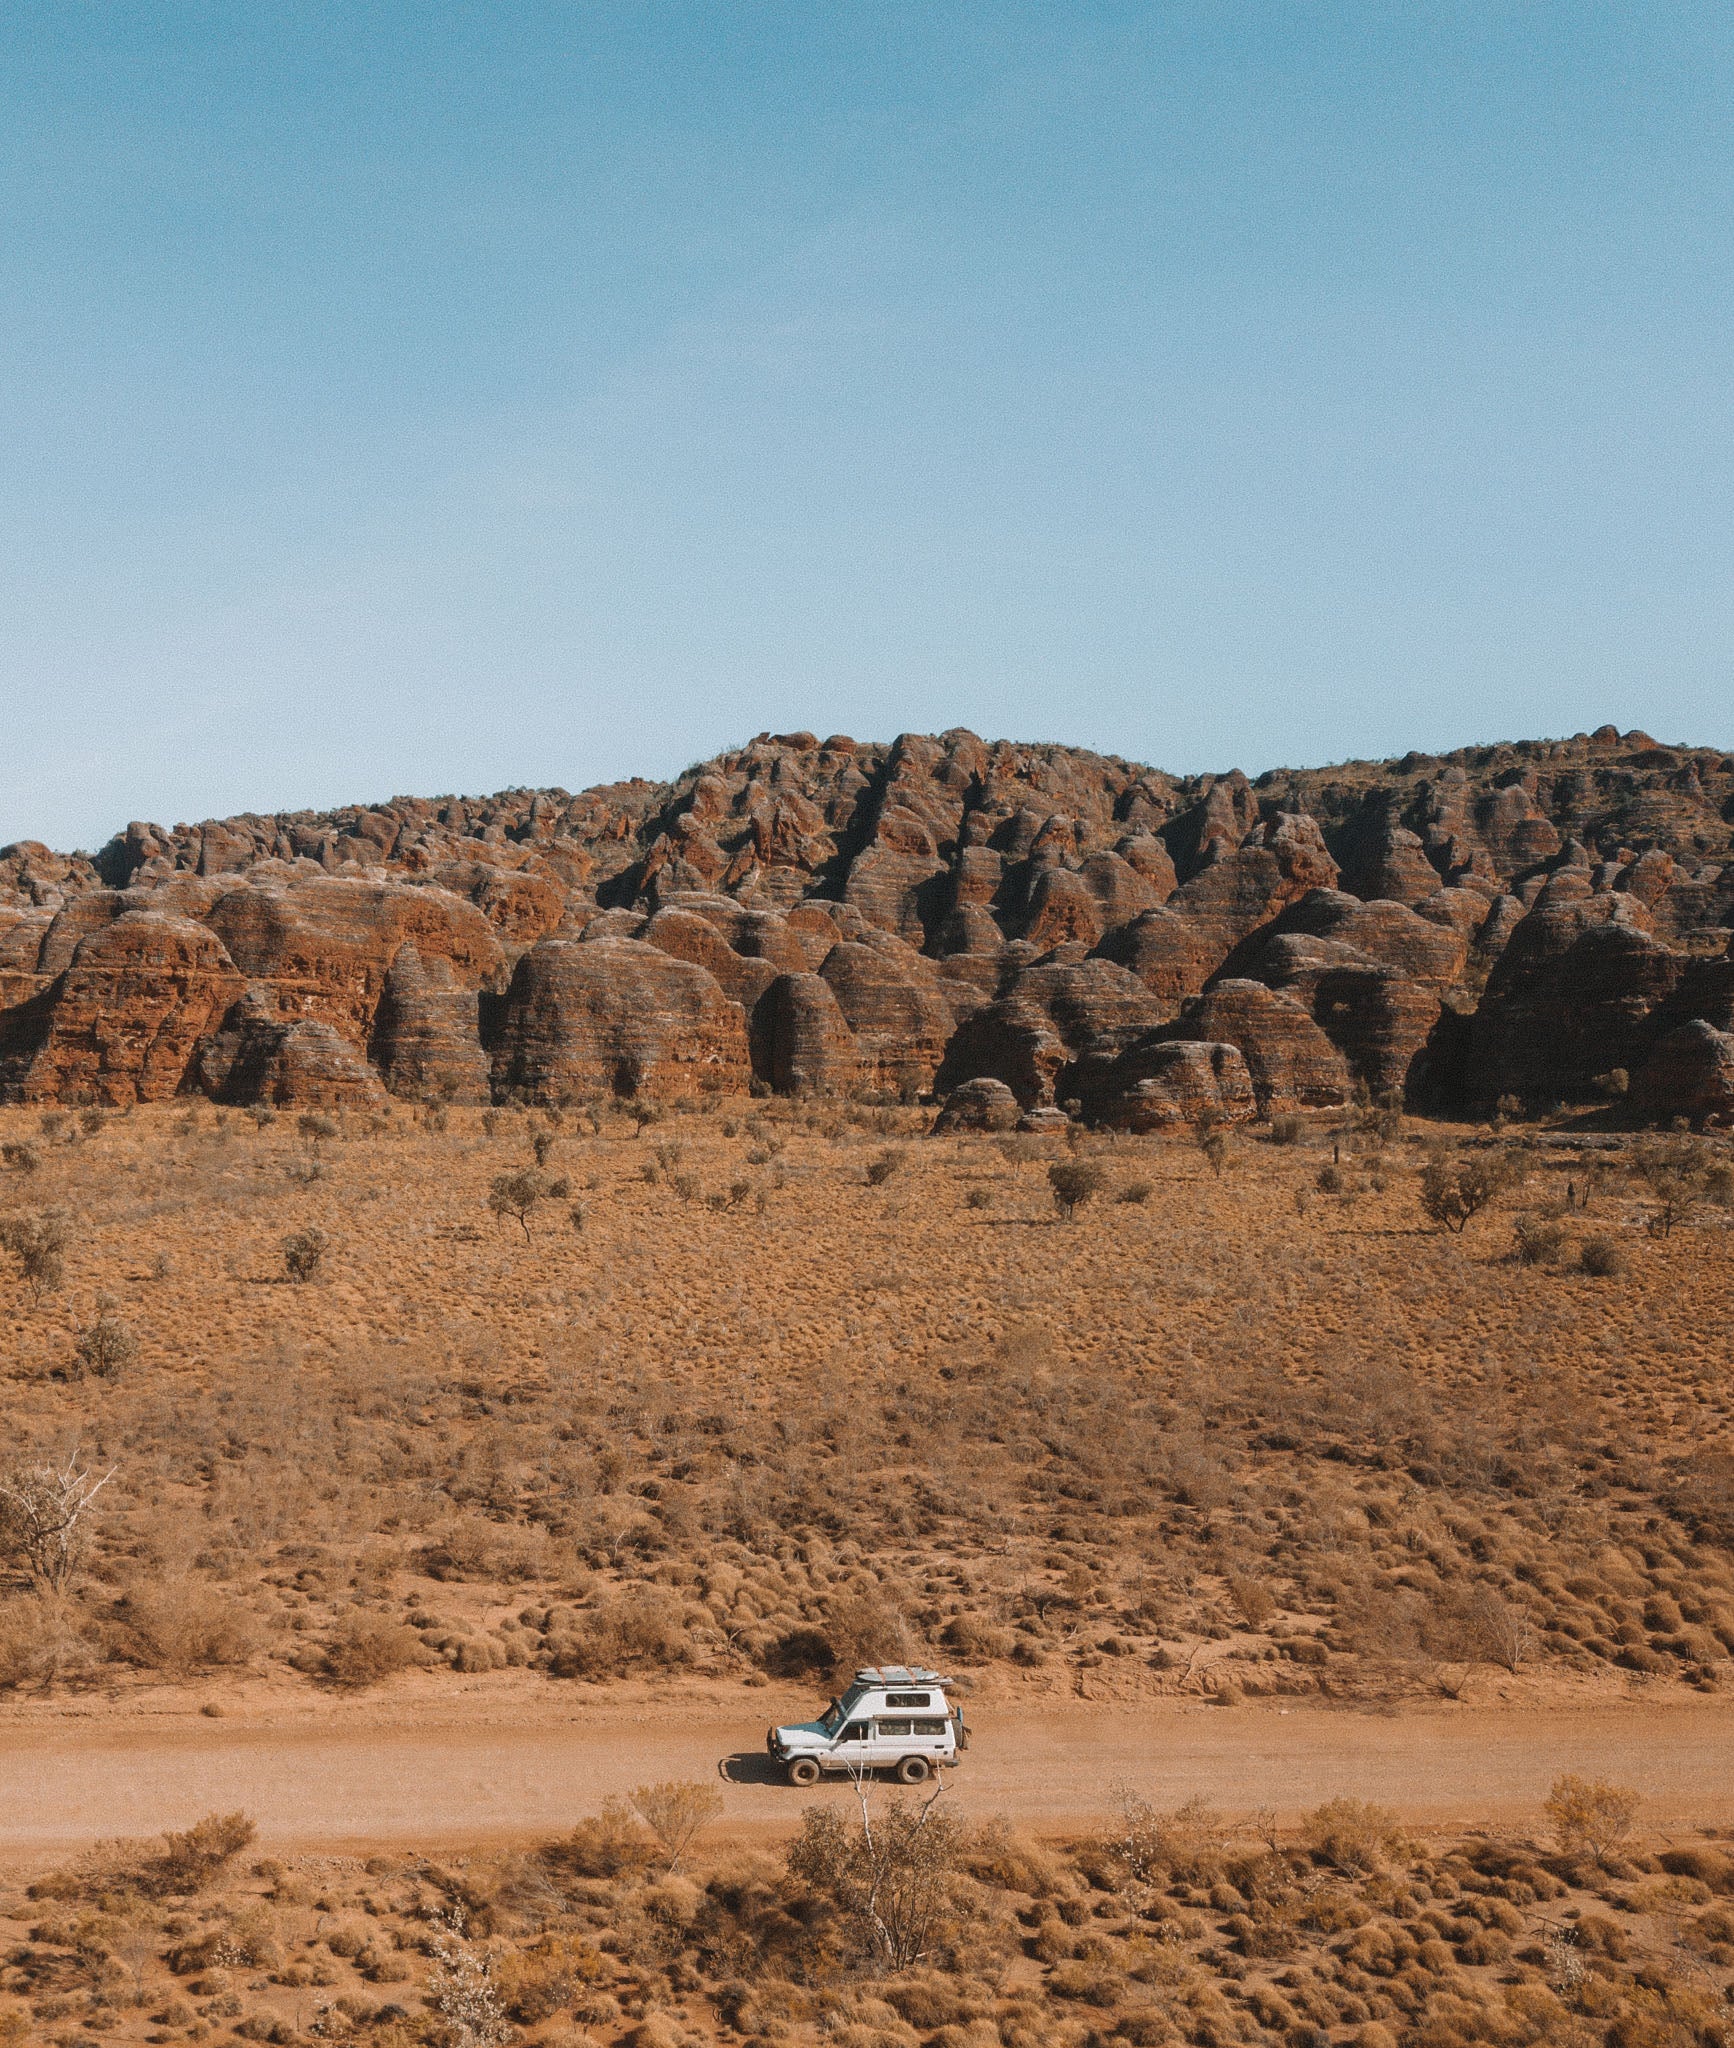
(896, 1674)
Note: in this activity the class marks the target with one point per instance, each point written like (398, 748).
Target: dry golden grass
(1169, 1927)
(729, 1396)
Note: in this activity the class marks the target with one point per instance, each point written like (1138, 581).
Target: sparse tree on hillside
(1681, 1173)
(516, 1195)
(44, 1517)
(304, 1252)
(38, 1242)
(1454, 1190)
(1075, 1182)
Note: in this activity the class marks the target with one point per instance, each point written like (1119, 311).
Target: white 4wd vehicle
(891, 1718)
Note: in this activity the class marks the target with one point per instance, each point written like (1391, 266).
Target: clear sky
(422, 397)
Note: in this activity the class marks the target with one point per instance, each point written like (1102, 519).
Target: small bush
(106, 1347)
(882, 1166)
(1252, 1599)
(1286, 1130)
(367, 1648)
(1453, 1191)
(1074, 1182)
(611, 1844)
(674, 1810)
(1602, 1257)
(304, 1253)
(1539, 1240)
(1589, 1816)
(186, 1626)
(38, 1242)
(22, 1158)
(978, 1198)
(45, 1639)
(1136, 1191)
(1350, 1833)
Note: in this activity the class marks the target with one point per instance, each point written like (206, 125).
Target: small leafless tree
(894, 1876)
(1590, 1816)
(43, 1516)
(674, 1811)
(1680, 1172)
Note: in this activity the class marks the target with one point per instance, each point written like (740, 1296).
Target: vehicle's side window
(893, 1727)
(928, 1727)
(857, 1731)
(909, 1699)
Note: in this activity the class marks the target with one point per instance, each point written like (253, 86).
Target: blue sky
(427, 397)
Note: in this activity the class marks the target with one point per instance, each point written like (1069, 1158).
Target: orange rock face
(617, 1017)
(125, 1020)
(1507, 919)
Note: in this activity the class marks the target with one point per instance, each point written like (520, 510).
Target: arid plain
(541, 1503)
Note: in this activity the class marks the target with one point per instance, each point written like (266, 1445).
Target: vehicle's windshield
(838, 1711)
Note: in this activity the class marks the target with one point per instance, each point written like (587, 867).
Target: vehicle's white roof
(896, 1674)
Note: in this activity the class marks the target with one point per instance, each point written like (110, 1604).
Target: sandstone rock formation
(617, 1016)
(838, 914)
(1167, 1084)
(1291, 1063)
(124, 1022)
(801, 1041)
(980, 1105)
(1051, 1016)
(1571, 998)
(1689, 1074)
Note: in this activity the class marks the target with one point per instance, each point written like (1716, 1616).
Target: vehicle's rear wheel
(912, 1770)
(803, 1771)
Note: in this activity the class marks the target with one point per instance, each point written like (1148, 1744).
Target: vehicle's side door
(854, 1745)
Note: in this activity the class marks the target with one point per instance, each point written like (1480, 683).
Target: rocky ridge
(1537, 919)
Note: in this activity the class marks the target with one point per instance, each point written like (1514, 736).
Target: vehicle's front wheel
(912, 1770)
(803, 1771)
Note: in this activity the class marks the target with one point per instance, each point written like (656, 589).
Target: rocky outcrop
(1274, 866)
(684, 935)
(980, 1105)
(1171, 955)
(896, 1007)
(1571, 998)
(261, 1056)
(1690, 1075)
(584, 1018)
(124, 1022)
(1166, 1084)
(427, 1032)
(1052, 1015)
(925, 880)
(1291, 1063)
(1429, 951)
(325, 945)
(801, 1041)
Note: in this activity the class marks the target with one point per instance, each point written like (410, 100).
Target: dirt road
(383, 1781)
